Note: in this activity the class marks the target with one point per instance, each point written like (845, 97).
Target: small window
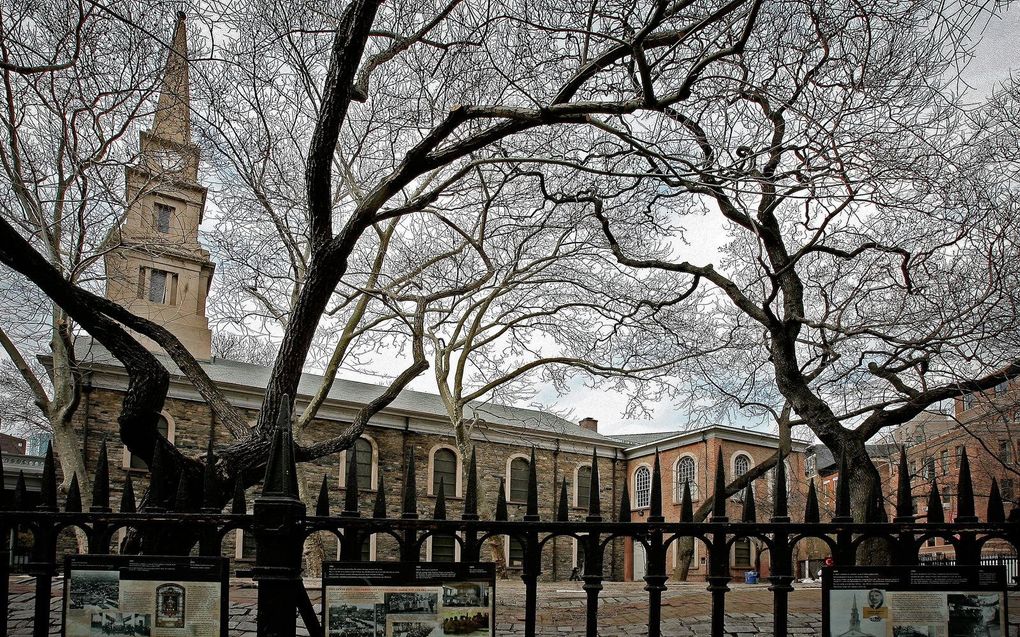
(642, 488)
(945, 461)
(583, 487)
(742, 553)
(248, 545)
(685, 473)
(519, 469)
(1005, 451)
(516, 553)
(444, 469)
(161, 215)
(741, 465)
(157, 286)
(366, 549)
(134, 462)
(968, 400)
(929, 468)
(959, 454)
(444, 548)
(947, 496)
(363, 458)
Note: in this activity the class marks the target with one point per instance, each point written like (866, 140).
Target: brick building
(160, 271)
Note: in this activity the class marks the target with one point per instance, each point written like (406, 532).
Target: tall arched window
(519, 479)
(685, 473)
(583, 487)
(740, 465)
(365, 458)
(444, 469)
(642, 487)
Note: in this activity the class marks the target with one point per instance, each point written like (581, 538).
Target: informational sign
(134, 595)
(914, 601)
(398, 599)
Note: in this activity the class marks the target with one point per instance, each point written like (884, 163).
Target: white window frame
(458, 486)
(577, 483)
(375, 466)
(456, 548)
(678, 486)
(506, 483)
(634, 482)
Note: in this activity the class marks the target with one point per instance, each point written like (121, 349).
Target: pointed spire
(531, 510)
(20, 492)
(594, 490)
(127, 497)
(439, 513)
(239, 504)
(281, 469)
(996, 512)
(379, 510)
(561, 509)
(780, 510)
(322, 504)
(719, 497)
(843, 491)
(811, 515)
(156, 497)
(904, 497)
(501, 513)
(686, 504)
(750, 511)
(101, 483)
(655, 508)
(173, 114)
(48, 491)
(73, 502)
(182, 500)
(351, 486)
(471, 493)
(624, 510)
(965, 510)
(209, 486)
(409, 510)
(875, 512)
(935, 513)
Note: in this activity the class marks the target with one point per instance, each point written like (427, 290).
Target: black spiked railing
(561, 508)
(719, 494)
(379, 509)
(624, 511)
(471, 491)
(209, 495)
(501, 513)
(843, 492)
(73, 502)
(48, 491)
(594, 490)
(127, 497)
(811, 515)
(322, 503)
(439, 513)
(904, 496)
(965, 512)
(655, 506)
(996, 513)
(780, 511)
(101, 481)
(409, 507)
(351, 486)
(239, 504)
(749, 513)
(686, 505)
(531, 510)
(935, 513)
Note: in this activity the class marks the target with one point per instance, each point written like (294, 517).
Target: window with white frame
(685, 473)
(642, 487)
(741, 465)
(366, 460)
(582, 487)
(161, 216)
(518, 482)
(444, 470)
(444, 548)
(157, 286)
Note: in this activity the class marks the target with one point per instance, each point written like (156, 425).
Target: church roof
(226, 373)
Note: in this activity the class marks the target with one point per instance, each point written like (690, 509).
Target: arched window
(582, 487)
(444, 469)
(740, 465)
(519, 469)
(642, 487)
(685, 473)
(365, 458)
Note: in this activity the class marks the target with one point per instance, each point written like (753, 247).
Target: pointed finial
(655, 508)
(409, 510)
(281, 470)
(73, 502)
(935, 513)
(471, 492)
(719, 497)
(127, 497)
(687, 504)
(780, 512)
(595, 490)
(965, 510)
(101, 483)
(996, 511)
(750, 512)
(501, 513)
(531, 511)
(440, 511)
(561, 509)
(48, 491)
(843, 491)
(173, 116)
(811, 515)
(20, 492)
(156, 496)
(322, 504)
(239, 504)
(872, 512)
(624, 510)
(379, 510)
(904, 497)
(210, 500)
(182, 500)
(351, 486)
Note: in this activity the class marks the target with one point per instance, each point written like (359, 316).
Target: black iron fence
(281, 524)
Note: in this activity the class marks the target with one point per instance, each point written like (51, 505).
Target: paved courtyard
(623, 610)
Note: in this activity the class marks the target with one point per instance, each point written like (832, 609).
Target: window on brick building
(444, 469)
(518, 483)
(968, 400)
(366, 459)
(741, 464)
(685, 473)
(929, 468)
(944, 458)
(642, 487)
(959, 455)
(582, 487)
(742, 552)
(947, 496)
(131, 461)
(1005, 451)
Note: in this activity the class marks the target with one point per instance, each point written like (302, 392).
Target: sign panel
(401, 599)
(914, 601)
(154, 596)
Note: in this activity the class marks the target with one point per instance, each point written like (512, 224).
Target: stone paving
(623, 609)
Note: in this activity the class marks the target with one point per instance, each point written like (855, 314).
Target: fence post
(279, 514)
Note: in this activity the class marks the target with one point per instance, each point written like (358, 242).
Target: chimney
(589, 423)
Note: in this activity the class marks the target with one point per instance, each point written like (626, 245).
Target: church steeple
(173, 112)
(156, 266)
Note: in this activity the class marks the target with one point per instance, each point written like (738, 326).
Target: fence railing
(281, 524)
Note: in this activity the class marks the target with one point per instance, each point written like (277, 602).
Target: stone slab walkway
(623, 610)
